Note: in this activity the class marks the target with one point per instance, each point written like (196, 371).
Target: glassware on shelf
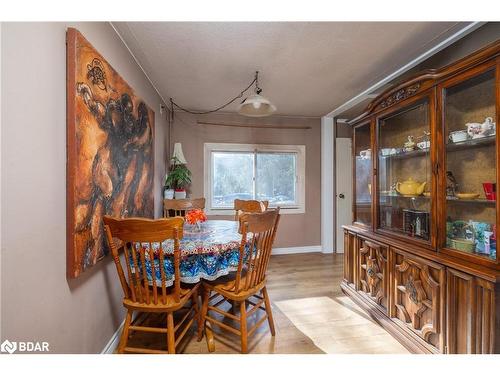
(404, 172)
(469, 110)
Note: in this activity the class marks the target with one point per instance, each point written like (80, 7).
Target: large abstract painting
(110, 150)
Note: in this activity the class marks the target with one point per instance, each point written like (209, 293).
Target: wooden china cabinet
(421, 255)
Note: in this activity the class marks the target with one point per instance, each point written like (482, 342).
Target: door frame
(328, 181)
(348, 191)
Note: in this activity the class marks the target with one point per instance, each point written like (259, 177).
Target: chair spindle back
(248, 206)
(179, 207)
(258, 233)
(141, 240)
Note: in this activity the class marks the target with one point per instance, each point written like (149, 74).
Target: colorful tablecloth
(207, 254)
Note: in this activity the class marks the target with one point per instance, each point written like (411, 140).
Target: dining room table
(208, 251)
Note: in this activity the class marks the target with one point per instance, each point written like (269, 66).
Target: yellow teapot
(410, 187)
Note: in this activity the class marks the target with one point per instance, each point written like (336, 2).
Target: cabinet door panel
(373, 272)
(468, 115)
(459, 292)
(349, 256)
(485, 316)
(362, 174)
(418, 297)
(404, 171)
(471, 313)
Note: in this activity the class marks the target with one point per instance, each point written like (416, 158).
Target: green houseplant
(178, 179)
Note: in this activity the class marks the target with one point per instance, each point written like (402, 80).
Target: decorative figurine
(410, 145)
(451, 184)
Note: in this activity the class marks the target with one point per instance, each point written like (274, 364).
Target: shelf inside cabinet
(449, 199)
(404, 196)
(481, 201)
(406, 155)
(471, 143)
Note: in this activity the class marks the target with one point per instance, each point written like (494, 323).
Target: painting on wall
(110, 150)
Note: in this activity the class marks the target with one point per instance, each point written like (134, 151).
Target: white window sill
(230, 211)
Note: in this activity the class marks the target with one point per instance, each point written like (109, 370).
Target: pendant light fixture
(254, 105)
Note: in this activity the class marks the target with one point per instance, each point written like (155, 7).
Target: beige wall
(38, 303)
(343, 130)
(295, 229)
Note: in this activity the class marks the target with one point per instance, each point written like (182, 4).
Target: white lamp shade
(256, 106)
(179, 154)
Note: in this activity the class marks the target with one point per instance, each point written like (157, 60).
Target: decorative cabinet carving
(400, 95)
(424, 261)
(418, 297)
(373, 272)
(349, 254)
(434, 308)
(471, 314)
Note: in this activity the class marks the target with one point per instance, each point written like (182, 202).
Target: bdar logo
(9, 347)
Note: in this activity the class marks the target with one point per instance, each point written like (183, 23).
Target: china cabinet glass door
(363, 174)
(470, 132)
(404, 171)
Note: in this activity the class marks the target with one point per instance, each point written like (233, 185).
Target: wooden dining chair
(249, 282)
(248, 206)
(179, 207)
(158, 291)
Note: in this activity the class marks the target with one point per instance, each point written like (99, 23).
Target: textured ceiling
(306, 69)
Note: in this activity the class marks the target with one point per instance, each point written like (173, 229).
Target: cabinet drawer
(418, 297)
(373, 272)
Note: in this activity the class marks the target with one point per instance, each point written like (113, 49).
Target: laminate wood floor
(311, 315)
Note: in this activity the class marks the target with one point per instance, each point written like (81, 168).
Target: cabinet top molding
(425, 80)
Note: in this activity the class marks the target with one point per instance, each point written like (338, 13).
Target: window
(264, 172)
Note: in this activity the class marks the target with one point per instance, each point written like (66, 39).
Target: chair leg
(124, 337)
(268, 311)
(243, 327)
(170, 333)
(196, 305)
(203, 315)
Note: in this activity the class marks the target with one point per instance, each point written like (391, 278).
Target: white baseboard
(114, 341)
(296, 250)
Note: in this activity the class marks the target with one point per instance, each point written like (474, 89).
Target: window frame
(299, 150)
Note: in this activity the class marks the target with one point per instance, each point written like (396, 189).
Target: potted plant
(168, 191)
(178, 178)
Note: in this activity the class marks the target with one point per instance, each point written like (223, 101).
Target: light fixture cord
(257, 89)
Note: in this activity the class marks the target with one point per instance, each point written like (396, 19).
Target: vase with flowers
(196, 218)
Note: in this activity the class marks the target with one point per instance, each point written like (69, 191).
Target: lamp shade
(178, 154)
(256, 106)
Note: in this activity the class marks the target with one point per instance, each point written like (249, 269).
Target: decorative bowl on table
(467, 195)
